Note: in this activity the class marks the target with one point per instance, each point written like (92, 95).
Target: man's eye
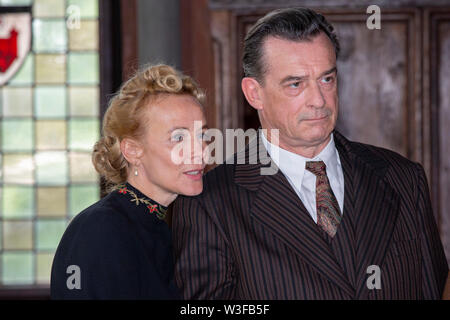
(294, 85)
(328, 79)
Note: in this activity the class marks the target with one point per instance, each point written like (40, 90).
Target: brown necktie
(328, 213)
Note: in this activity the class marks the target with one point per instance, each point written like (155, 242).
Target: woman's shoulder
(100, 221)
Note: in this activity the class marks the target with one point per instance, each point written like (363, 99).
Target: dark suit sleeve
(106, 259)
(435, 267)
(203, 267)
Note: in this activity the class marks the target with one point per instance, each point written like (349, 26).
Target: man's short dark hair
(295, 24)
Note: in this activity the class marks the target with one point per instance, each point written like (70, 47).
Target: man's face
(299, 91)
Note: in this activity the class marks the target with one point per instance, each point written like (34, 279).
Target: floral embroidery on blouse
(152, 208)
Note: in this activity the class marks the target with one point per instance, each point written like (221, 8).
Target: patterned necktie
(328, 213)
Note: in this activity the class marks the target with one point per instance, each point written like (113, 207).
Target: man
(339, 220)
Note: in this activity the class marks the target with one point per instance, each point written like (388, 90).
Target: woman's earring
(135, 172)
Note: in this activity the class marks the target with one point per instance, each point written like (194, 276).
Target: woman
(120, 247)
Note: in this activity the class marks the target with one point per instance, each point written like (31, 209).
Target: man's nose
(315, 96)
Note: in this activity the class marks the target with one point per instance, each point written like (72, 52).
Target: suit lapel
(343, 244)
(278, 208)
(375, 208)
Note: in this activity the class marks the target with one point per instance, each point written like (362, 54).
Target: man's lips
(316, 119)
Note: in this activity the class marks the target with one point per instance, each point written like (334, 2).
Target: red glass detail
(8, 50)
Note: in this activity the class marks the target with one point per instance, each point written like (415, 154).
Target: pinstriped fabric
(249, 236)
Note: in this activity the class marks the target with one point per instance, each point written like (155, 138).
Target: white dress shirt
(303, 181)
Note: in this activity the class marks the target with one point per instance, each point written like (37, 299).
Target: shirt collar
(293, 165)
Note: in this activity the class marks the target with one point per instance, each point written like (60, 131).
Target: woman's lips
(194, 174)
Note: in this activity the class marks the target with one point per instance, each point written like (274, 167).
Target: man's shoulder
(392, 163)
(221, 175)
(382, 154)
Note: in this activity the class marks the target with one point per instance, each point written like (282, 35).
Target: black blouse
(118, 248)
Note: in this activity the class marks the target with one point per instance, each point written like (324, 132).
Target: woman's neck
(152, 191)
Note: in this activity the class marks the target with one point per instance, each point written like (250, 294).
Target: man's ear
(252, 91)
(131, 150)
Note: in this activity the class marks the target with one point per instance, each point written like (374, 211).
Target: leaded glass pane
(51, 201)
(44, 267)
(50, 102)
(17, 135)
(81, 168)
(82, 196)
(49, 35)
(83, 134)
(17, 268)
(85, 37)
(87, 8)
(18, 168)
(50, 68)
(17, 202)
(50, 134)
(16, 2)
(84, 101)
(48, 8)
(49, 232)
(25, 74)
(18, 235)
(17, 102)
(83, 68)
(49, 121)
(51, 168)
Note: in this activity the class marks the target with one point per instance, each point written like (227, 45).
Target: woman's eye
(177, 138)
(205, 136)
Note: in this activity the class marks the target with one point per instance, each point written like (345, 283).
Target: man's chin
(315, 135)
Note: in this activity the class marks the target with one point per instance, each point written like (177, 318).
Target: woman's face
(174, 132)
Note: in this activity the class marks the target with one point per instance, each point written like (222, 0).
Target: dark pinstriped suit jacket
(248, 236)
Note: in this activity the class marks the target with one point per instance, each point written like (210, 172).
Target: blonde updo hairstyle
(125, 118)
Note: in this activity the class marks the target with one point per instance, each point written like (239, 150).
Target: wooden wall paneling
(109, 50)
(379, 79)
(197, 50)
(128, 28)
(226, 80)
(270, 4)
(437, 99)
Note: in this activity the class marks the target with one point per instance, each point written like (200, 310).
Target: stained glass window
(49, 121)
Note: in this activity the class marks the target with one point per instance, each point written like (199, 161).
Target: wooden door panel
(437, 89)
(377, 87)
